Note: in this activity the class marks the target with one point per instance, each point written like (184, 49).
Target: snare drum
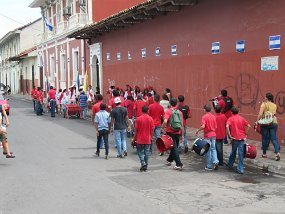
(201, 146)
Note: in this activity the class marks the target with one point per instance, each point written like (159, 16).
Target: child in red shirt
(143, 134)
(209, 125)
(221, 120)
(237, 129)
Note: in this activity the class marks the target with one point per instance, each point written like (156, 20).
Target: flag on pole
(47, 86)
(85, 86)
(48, 24)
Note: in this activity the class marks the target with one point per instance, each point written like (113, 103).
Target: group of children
(57, 100)
(145, 115)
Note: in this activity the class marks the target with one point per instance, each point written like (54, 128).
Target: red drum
(164, 143)
(250, 151)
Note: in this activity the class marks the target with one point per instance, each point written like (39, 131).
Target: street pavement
(55, 171)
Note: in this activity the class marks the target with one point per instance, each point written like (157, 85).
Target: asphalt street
(55, 171)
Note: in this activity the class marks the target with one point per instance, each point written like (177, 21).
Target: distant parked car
(5, 104)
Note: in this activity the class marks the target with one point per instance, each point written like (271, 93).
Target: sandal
(10, 156)
(264, 156)
(277, 157)
(5, 153)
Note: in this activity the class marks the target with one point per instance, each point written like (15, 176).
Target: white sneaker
(168, 163)
(178, 167)
(209, 169)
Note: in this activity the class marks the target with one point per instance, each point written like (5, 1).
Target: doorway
(95, 75)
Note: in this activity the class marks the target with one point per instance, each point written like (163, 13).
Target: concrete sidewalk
(267, 164)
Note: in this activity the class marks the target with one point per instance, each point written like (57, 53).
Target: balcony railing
(75, 21)
(61, 27)
(78, 19)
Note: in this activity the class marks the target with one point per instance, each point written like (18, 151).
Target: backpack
(229, 104)
(175, 121)
(184, 110)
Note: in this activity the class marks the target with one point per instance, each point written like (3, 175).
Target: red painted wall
(195, 72)
(103, 8)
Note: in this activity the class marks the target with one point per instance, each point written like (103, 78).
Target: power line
(7, 17)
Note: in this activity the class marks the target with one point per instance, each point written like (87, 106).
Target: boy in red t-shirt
(221, 120)
(209, 125)
(143, 134)
(237, 129)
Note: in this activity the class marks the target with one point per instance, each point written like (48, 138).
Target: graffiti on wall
(247, 91)
(280, 102)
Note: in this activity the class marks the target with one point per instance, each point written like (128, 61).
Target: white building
(18, 58)
(61, 60)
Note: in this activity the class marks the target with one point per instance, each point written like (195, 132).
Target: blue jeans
(156, 134)
(120, 140)
(237, 144)
(52, 108)
(143, 153)
(103, 134)
(211, 155)
(185, 137)
(219, 148)
(84, 112)
(269, 134)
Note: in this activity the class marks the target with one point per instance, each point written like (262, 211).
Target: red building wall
(195, 72)
(103, 8)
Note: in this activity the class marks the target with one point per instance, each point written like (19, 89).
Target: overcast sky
(18, 10)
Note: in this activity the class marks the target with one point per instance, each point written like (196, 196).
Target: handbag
(267, 117)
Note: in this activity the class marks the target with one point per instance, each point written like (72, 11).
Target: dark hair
(224, 93)
(149, 94)
(168, 90)
(116, 93)
(218, 109)
(64, 90)
(207, 108)
(156, 97)
(140, 97)
(99, 97)
(173, 102)
(103, 106)
(51, 87)
(145, 109)
(165, 97)
(269, 96)
(129, 97)
(181, 98)
(39, 88)
(60, 90)
(235, 110)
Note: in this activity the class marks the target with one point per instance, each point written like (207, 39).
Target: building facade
(17, 60)
(197, 48)
(63, 61)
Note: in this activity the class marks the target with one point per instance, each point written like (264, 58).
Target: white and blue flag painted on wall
(129, 55)
(157, 51)
(119, 56)
(144, 53)
(275, 42)
(173, 50)
(215, 47)
(240, 46)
